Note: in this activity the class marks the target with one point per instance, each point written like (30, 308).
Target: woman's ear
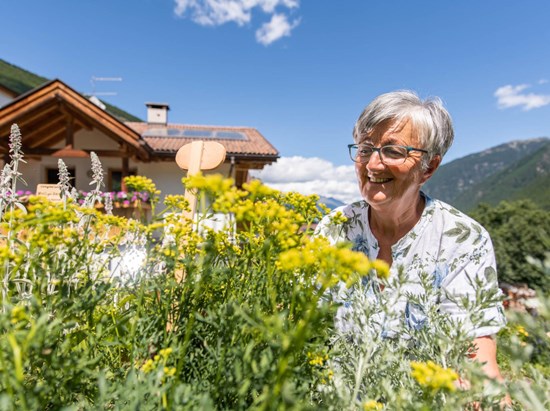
(432, 166)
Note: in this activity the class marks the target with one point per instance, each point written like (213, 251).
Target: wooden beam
(50, 137)
(42, 151)
(69, 131)
(39, 133)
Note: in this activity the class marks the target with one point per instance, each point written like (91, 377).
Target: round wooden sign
(207, 155)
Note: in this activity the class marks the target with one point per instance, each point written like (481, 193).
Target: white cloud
(512, 96)
(311, 176)
(278, 27)
(218, 12)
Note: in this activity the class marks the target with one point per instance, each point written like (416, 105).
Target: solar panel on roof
(230, 135)
(195, 133)
(174, 132)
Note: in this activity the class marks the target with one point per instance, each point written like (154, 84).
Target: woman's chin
(376, 198)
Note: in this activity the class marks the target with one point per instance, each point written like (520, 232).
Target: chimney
(157, 113)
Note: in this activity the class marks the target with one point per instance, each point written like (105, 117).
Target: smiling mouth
(379, 180)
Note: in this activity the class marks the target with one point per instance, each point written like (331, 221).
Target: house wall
(4, 98)
(94, 140)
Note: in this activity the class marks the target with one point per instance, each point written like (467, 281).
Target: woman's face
(392, 186)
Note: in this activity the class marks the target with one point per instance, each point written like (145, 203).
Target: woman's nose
(375, 161)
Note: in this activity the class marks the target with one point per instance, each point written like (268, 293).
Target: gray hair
(429, 119)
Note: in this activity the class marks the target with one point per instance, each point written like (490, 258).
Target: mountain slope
(527, 178)
(457, 179)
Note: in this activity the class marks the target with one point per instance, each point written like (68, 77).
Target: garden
(104, 312)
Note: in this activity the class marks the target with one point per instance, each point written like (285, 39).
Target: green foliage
(519, 230)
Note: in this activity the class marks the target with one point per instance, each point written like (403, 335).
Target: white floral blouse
(453, 250)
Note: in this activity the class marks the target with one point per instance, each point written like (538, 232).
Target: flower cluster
(141, 184)
(317, 358)
(433, 377)
(161, 359)
(331, 263)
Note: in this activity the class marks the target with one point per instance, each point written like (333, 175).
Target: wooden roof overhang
(54, 112)
(245, 161)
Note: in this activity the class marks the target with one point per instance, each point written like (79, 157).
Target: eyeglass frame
(379, 151)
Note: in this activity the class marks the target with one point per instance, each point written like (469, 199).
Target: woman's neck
(389, 225)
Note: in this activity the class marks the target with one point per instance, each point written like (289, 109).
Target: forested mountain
(511, 171)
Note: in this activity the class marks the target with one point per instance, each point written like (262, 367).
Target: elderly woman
(400, 141)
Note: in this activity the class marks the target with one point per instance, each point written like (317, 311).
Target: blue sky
(298, 71)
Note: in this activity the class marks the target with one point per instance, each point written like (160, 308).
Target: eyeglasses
(391, 155)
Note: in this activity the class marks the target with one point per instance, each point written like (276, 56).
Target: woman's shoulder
(451, 221)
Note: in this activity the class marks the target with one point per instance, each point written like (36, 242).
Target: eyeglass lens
(389, 154)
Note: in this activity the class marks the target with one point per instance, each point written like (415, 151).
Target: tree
(519, 230)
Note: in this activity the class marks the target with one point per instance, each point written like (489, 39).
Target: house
(56, 122)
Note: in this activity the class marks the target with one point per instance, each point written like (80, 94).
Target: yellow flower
(176, 201)
(141, 183)
(18, 314)
(434, 377)
(331, 264)
(165, 352)
(258, 190)
(372, 405)
(169, 371)
(148, 366)
(317, 359)
(382, 268)
(338, 218)
(521, 331)
(214, 184)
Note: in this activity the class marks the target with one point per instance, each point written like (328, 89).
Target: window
(52, 175)
(114, 182)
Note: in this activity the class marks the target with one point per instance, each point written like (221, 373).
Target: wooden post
(125, 171)
(195, 160)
